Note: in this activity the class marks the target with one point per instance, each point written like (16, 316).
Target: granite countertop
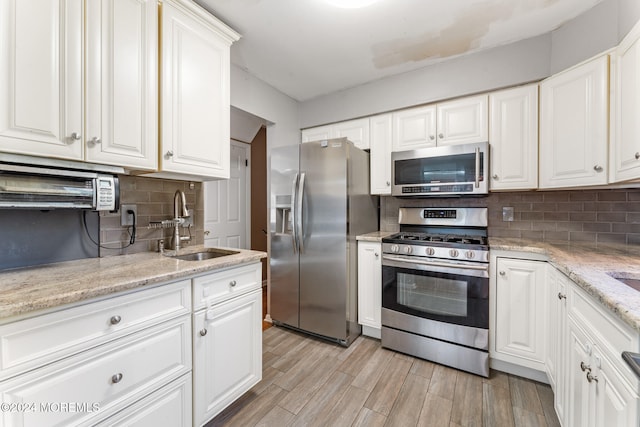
(591, 267)
(375, 236)
(30, 289)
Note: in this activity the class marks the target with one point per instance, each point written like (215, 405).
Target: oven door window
(438, 170)
(450, 298)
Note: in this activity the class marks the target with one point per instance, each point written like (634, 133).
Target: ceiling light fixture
(351, 4)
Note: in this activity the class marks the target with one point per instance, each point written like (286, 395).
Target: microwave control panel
(105, 193)
(421, 189)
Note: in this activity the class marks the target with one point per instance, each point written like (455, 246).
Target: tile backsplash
(603, 216)
(154, 200)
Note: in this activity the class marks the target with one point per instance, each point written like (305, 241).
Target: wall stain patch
(462, 36)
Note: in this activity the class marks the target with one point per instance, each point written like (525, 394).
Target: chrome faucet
(180, 212)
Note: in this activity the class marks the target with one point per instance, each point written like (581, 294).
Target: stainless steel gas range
(435, 287)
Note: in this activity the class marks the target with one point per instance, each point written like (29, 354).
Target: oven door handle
(396, 261)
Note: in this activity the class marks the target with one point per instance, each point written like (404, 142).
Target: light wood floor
(309, 382)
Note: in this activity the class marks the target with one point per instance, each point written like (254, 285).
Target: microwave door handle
(477, 167)
(300, 221)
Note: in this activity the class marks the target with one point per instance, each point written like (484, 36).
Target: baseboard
(521, 371)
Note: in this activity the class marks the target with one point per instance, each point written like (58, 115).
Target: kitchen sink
(631, 282)
(203, 255)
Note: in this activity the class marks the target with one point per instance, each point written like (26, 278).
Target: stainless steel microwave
(453, 170)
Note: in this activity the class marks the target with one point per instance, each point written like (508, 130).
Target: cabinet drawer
(103, 380)
(169, 406)
(33, 342)
(220, 286)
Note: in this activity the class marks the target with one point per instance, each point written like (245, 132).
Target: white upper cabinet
(122, 83)
(41, 78)
(380, 155)
(513, 134)
(463, 121)
(574, 126)
(460, 121)
(625, 109)
(414, 128)
(195, 110)
(356, 131)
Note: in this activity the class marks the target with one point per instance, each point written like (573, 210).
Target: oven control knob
(470, 254)
(395, 248)
(430, 251)
(453, 253)
(408, 249)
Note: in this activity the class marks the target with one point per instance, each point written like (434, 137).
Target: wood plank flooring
(309, 382)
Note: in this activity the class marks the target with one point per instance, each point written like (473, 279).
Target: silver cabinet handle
(169, 153)
(495, 176)
(75, 136)
(591, 377)
(116, 378)
(115, 319)
(232, 283)
(95, 140)
(585, 367)
(431, 137)
(637, 155)
(203, 332)
(440, 135)
(597, 168)
(561, 296)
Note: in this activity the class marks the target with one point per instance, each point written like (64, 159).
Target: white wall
(254, 96)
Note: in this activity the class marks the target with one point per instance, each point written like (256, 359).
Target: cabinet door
(317, 133)
(195, 117)
(463, 121)
(41, 78)
(574, 126)
(520, 311)
(556, 347)
(227, 349)
(616, 405)
(370, 284)
(380, 155)
(580, 410)
(414, 128)
(122, 85)
(513, 138)
(625, 108)
(356, 131)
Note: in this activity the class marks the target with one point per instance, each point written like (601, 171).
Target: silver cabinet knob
(95, 140)
(203, 332)
(116, 378)
(591, 377)
(637, 155)
(232, 283)
(598, 168)
(561, 296)
(432, 137)
(169, 153)
(207, 232)
(502, 273)
(440, 135)
(494, 176)
(75, 136)
(388, 183)
(115, 319)
(376, 254)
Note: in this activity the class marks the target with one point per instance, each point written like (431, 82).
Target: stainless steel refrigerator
(320, 202)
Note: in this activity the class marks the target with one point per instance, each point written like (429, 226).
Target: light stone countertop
(375, 236)
(31, 289)
(591, 267)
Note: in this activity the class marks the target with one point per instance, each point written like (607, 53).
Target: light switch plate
(507, 213)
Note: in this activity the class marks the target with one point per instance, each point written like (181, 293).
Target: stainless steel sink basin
(203, 255)
(632, 283)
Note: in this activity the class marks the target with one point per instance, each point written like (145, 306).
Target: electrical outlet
(126, 219)
(507, 214)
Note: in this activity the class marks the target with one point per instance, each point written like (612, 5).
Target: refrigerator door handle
(294, 225)
(299, 221)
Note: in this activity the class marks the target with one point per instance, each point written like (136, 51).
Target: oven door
(454, 292)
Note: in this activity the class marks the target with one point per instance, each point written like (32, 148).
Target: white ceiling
(307, 48)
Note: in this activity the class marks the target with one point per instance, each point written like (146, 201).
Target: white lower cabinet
(555, 326)
(370, 287)
(519, 312)
(227, 349)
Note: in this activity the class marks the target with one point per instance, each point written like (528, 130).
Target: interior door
(226, 211)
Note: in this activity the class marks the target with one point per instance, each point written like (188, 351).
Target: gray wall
(534, 59)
